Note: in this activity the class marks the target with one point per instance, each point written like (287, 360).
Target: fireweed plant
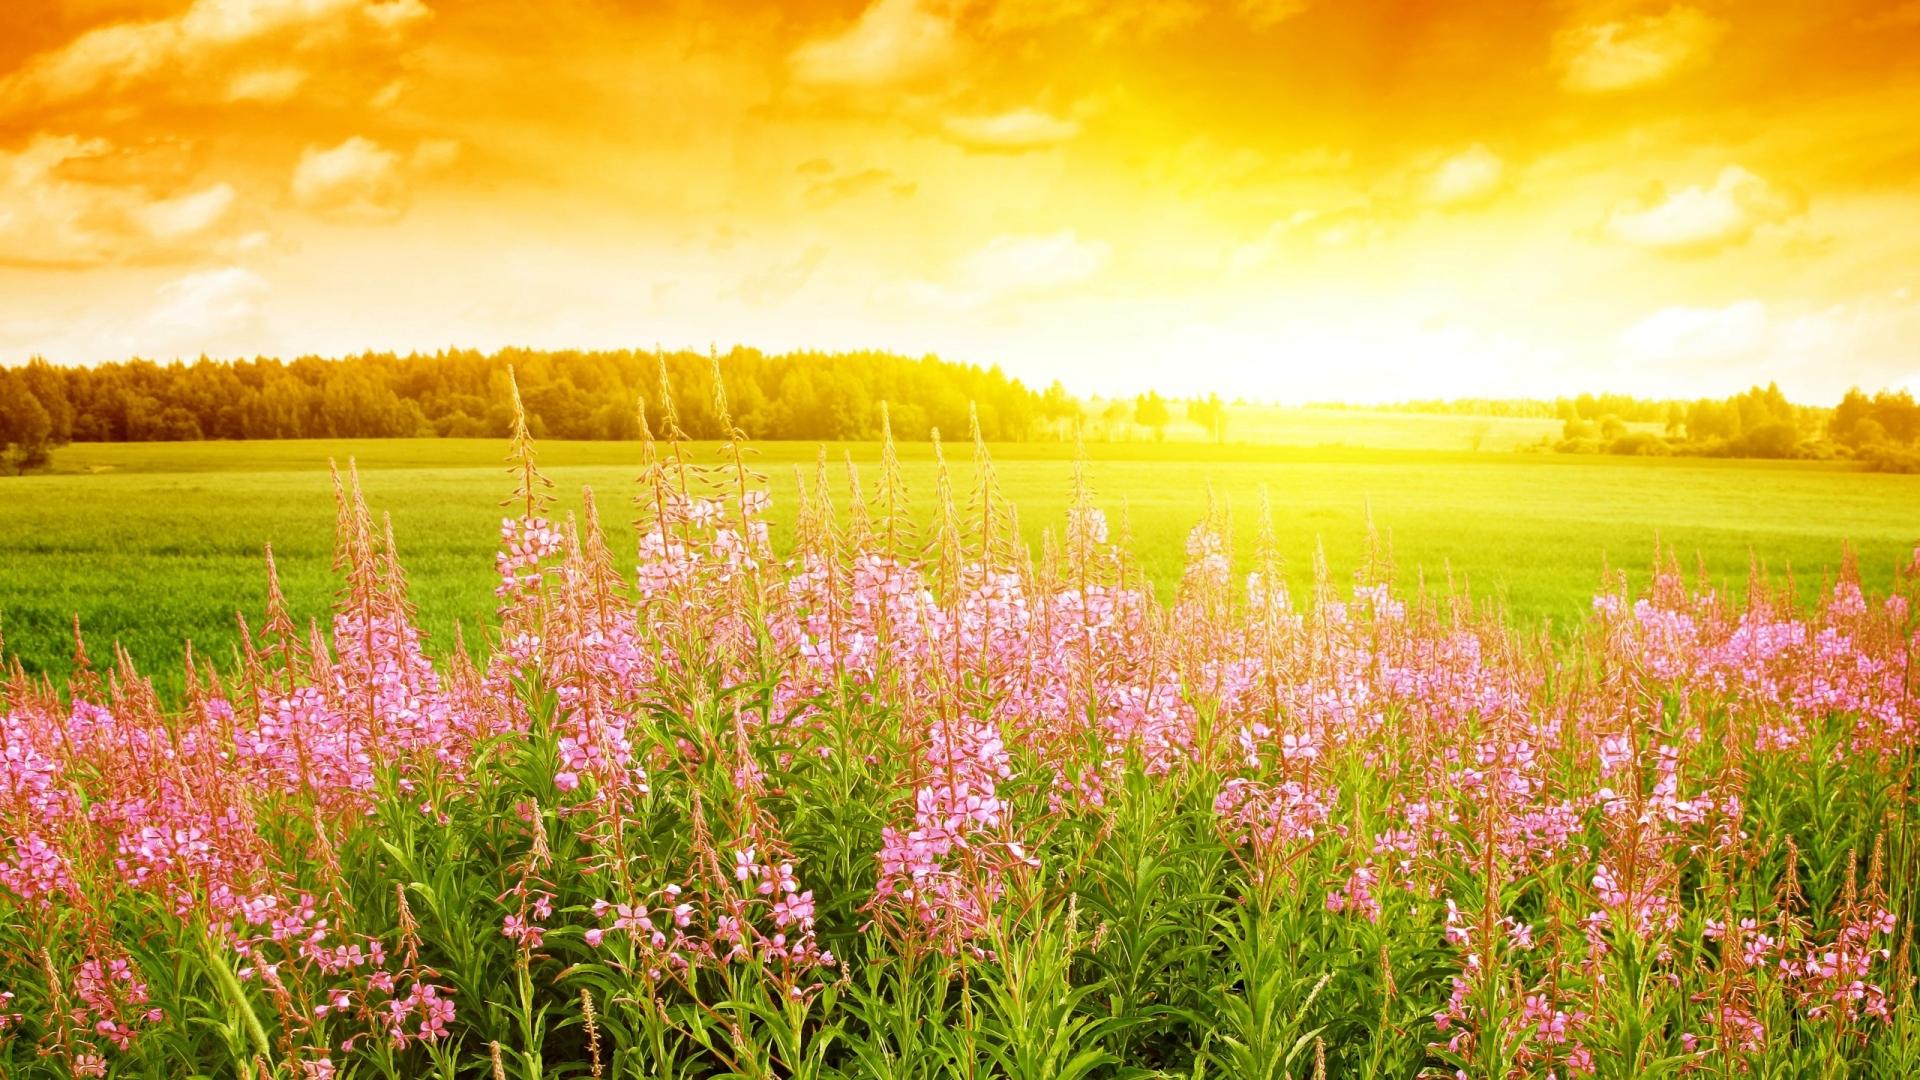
(912, 802)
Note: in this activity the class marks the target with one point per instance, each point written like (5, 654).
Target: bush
(1888, 458)
(1640, 444)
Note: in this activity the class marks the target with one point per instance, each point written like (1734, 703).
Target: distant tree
(1211, 414)
(1772, 439)
(1575, 427)
(26, 430)
(1150, 411)
(1898, 414)
(1058, 408)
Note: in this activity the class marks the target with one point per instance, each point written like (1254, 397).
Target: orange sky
(1291, 199)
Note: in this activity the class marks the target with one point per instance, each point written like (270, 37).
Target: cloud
(202, 309)
(892, 43)
(357, 181)
(1701, 220)
(268, 86)
(1030, 264)
(1350, 227)
(186, 215)
(1136, 19)
(825, 193)
(776, 284)
(190, 55)
(72, 202)
(1468, 177)
(1007, 267)
(1600, 58)
(1683, 334)
(1013, 132)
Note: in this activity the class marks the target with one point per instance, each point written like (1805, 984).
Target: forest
(804, 395)
(464, 394)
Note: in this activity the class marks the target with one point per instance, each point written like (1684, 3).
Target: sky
(1291, 200)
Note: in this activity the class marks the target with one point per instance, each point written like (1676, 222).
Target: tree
(1843, 425)
(26, 430)
(1210, 413)
(1773, 439)
(1059, 409)
(1150, 411)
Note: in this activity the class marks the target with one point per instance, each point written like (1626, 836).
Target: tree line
(805, 395)
(461, 393)
(1882, 429)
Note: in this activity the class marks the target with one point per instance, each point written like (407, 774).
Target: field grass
(153, 544)
(1340, 426)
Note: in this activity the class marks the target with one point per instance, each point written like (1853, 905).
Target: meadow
(152, 545)
(900, 800)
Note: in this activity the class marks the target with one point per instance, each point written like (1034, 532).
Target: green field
(153, 544)
(1327, 427)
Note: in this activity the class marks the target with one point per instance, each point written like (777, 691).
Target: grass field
(1326, 427)
(152, 544)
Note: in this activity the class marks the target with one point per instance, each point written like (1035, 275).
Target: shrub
(1889, 458)
(1640, 444)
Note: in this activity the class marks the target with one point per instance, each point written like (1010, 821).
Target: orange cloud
(1700, 220)
(891, 43)
(52, 213)
(1469, 177)
(854, 185)
(215, 50)
(1012, 132)
(1610, 56)
(357, 181)
(1080, 189)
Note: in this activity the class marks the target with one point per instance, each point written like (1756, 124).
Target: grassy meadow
(150, 544)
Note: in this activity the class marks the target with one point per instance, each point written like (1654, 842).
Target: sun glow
(1290, 200)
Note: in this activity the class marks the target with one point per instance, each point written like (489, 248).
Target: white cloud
(1814, 350)
(1349, 227)
(1021, 264)
(358, 180)
(53, 214)
(1683, 334)
(1007, 268)
(1011, 132)
(269, 85)
(893, 42)
(207, 307)
(1698, 220)
(182, 54)
(1605, 57)
(186, 215)
(1470, 176)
